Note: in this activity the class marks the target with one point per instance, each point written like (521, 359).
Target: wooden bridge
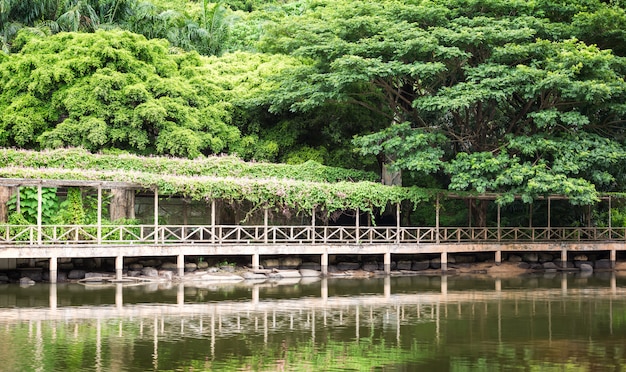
(101, 240)
(119, 241)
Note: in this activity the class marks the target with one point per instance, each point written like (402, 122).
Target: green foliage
(28, 204)
(72, 211)
(301, 187)
(111, 90)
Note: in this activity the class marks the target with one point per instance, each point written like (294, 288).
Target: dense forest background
(517, 97)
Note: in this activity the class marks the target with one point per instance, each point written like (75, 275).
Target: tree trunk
(5, 195)
(122, 204)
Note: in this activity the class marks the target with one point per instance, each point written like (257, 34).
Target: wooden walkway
(102, 241)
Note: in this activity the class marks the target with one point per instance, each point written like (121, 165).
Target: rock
(514, 258)
(65, 266)
(191, 267)
(530, 257)
(133, 274)
(404, 265)
(545, 257)
(332, 269)
(168, 266)
(253, 276)
(585, 267)
(435, 263)
(549, 266)
(523, 265)
(577, 264)
(135, 267)
(310, 266)
(4, 278)
(420, 265)
(603, 264)
(227, 268)
(308, 273)
(151, 263)
(347, 266)
(203, 265)
(150, 272)
(370, 266)
(166, 275)
(64, 260)
(26, 281)
(284, 274)
(290, 263)
(581, 257)
(76, 274)
(559, 264)
(270, 263)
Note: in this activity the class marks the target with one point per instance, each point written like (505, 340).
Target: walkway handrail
(240, 234)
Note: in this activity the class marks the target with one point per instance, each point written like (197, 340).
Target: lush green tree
(111, 90)
(484, 95)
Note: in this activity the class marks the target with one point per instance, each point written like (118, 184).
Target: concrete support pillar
(324, 263)
(387, 263)
(180, 265)
(119, 296)
(498, 257)
(256, 261)
(564, 258)
(119, 267)
(613, 258)
(53, 270)
(444, 261)
(52, 298)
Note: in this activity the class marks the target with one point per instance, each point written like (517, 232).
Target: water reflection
(439, 323)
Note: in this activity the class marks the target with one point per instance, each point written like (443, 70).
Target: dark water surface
(559, 322)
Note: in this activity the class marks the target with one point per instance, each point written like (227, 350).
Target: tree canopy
(514, 97)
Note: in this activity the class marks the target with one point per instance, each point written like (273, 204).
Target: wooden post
(358, 226)
(265, 225)
(156, 215)
(18, 201)
(437, 208)
(212, 220)
(99, 207)
(39, 214)
(498, 257)
(313, 226)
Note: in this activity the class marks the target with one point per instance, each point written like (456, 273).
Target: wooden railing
(237, 234)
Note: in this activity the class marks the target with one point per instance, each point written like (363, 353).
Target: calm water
(536, 323)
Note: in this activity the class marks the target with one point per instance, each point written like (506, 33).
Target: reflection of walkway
(323, 303)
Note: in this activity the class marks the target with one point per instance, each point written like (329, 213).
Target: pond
(552, 322)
